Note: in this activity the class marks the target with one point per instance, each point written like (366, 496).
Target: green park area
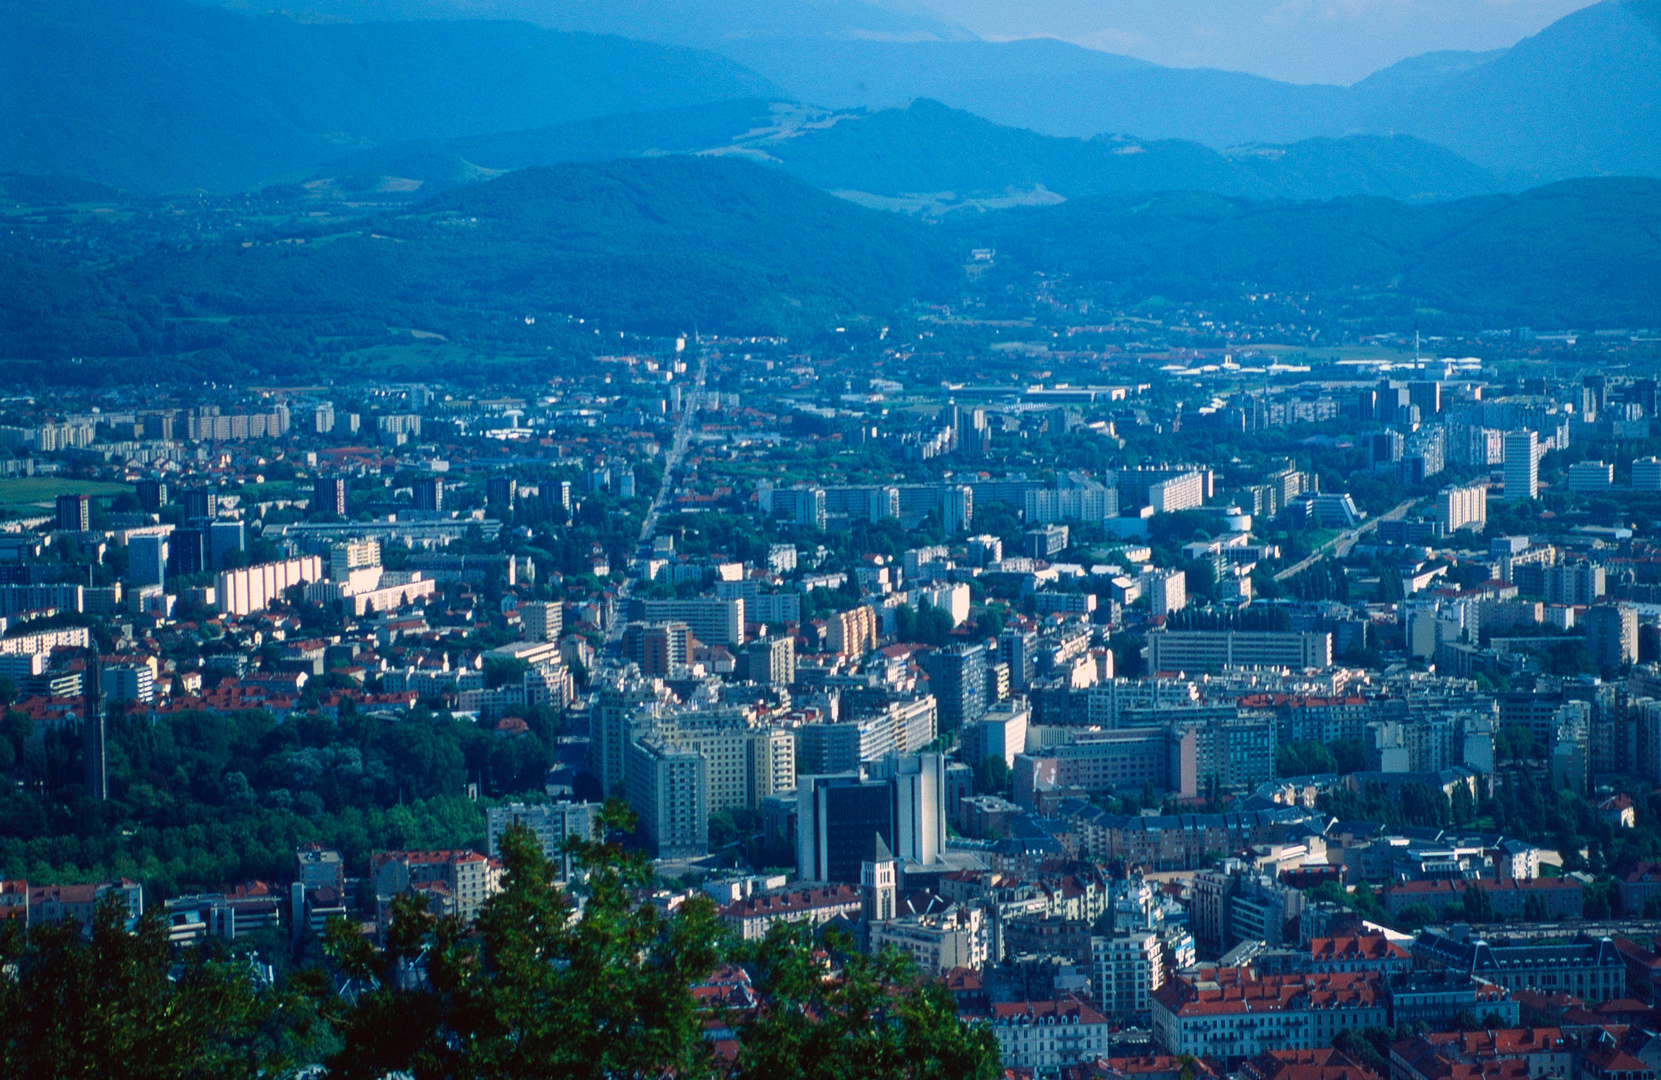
(23, 494)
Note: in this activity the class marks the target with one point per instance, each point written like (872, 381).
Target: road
(1342, 544)
(648, 528)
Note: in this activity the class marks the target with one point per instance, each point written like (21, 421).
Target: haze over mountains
(704, 24)
(1581, 98)
(931, 160)
(653, 185)
(159, 94)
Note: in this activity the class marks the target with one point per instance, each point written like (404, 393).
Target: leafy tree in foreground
(113, 1004)
(876, 1021)
(536, 992)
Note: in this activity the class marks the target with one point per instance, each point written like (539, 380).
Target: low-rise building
(1239, 1014)
(1436, 998)
(1557, 897)
(1047, 1036)
(751, 917)
(1359, 952)
(55, 903)
(1638, 889)
(959, 936)
(227, 914)
(1544, 1051)
(455, 882)
(1590, 969)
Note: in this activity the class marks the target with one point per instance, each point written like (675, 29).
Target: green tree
(113, 1003)
(1462, 807)
(991, 774)
(1416, 915)
(878, 1020)
(1478, 905)
(536, 992)
(1304, 759)
(1350, 755)
(1514, 743)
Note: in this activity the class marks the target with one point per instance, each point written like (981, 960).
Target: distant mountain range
(1576, 253)
(702, 24)
(159, 94)
(663, 245)
(1583, 97)
(929, 159)
(163, 94)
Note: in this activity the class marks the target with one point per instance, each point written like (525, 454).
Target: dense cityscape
(1185, 710)
(830, 540)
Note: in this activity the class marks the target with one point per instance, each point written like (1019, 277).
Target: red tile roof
(1069, 1011)
(1239, 990)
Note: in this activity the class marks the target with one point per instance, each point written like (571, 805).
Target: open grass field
(40, 491)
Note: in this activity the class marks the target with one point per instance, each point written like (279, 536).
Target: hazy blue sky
(1298, 40)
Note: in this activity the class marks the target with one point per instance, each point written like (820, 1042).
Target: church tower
(878, 884)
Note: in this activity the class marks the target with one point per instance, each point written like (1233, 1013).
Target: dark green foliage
(1477, 906)
(654, 246)
(1304, 759)
(931, 148)
(1414, 916)
(535, 992)
(659, 246)
(1363, 900)
(1411, 804)
(739, 244)
(928, 625)
(1582, 251)
(113, 1004)
(530, 991)
(1371, 1046)
(991, 775)
(200, 801)
(878, 1021)
(1515, 743)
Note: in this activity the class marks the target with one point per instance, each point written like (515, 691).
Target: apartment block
(1198, 651)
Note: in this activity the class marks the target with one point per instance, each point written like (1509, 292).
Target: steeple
(878, 881)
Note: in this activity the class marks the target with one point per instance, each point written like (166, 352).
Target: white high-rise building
(668, 787)
(1522, 465)
(541, 621)
(1463, 507)
(353, 555)
(957, 508)
(1167, 590)
(1646, 474)
(128, 682)
(552, 823)
(1178, 493)
(919, 782)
